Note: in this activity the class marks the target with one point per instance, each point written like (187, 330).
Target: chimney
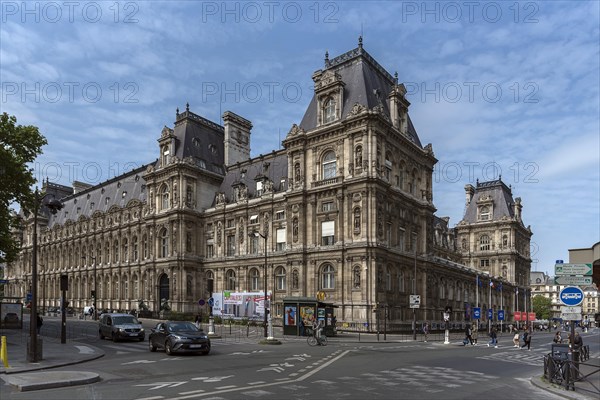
(237, 138)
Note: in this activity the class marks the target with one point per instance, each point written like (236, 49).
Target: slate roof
(366, 82)
(200, 139)
(116, 191)
(249, 172)
(501, 196)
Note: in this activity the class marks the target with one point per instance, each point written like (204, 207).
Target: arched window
(125, 250)
(329, 165)
(210, 279)
(144, 247)
(116, 251)
(136, 288)
(164, 243)
(254, 279)
(164, 197)
(484, 242)
(134, 245)
(280, 278)
(230, 280)
(401, 282)
(328, 277)
(388, 279)
(484, 213)
(329, 110)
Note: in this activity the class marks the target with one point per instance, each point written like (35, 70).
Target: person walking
(557, 337)
(426, 331)
(516, 341)
(494, 338)
(468, 335)
(527, 338)
(40, 322)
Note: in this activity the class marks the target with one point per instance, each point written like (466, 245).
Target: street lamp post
(415, 292)
(268, 329)
(95, 294)
(54, 205)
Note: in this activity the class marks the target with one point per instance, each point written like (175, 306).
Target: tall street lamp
(267, 320)
(53, 205)
(95, 292)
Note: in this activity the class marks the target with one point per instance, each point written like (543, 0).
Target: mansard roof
(273, 167)
(116, 191)
(366, 82)
(498, 193)
(199, 139)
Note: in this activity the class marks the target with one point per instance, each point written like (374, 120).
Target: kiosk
(300, 312)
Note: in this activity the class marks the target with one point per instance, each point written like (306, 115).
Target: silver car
(121, 327)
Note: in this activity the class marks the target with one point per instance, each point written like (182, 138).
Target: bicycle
(314, 340)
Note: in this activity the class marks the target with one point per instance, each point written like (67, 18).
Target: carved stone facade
(346, 208)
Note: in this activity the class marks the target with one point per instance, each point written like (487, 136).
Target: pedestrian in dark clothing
(527, 338)
(494, 337)
(40, 322)
(468, 337)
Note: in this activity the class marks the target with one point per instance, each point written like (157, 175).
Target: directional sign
(211, 302)
(476, 313)
(573, 280)
(570, 316)
(3, 280)
(490, 313)
(573, 269)
(571, 296)
(570, 310)
(500, 315)
(415, 301)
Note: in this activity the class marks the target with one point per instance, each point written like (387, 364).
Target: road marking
(139, 362)
(160, 385)
(314, 371)
(151, 398)
(85, 350)
(190, 392)
(225, 387)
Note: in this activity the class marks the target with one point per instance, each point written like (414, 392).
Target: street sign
(500, 315)
(490, 313)
(3, 280)
(573, 269)
(570, 316)
(201, 302)
(211, 302)
(570, 310)
(573, 280)
(476, 313)
(415, 301)
(571, 296)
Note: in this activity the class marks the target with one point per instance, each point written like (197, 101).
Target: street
(242, 368)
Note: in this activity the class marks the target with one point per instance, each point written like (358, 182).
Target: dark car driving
(178, 336)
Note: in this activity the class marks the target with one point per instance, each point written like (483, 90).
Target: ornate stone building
(346, 208)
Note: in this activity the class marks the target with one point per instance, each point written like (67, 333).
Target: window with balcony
(281, 239)
(230, 245)
(280, 278)
(484, 242)
(327, 277)
(329, 165)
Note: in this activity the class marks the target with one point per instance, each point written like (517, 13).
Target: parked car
(120, 327)
(178, 336)
(11, 318)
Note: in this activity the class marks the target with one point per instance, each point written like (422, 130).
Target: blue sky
(508, 88)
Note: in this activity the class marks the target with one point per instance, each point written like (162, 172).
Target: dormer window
(484, 213)
(259, 188)
(165, 155)
(329, 110)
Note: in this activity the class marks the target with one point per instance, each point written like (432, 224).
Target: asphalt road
(243, 369)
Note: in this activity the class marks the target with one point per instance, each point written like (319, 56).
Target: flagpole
(490, 307)
(501, 288)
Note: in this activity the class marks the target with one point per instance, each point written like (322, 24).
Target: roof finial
(396, 77)
(326, 58)
(360, 42)
(177, 111)
(187, 107)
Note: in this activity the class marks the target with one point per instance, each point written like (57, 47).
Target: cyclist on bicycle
(317, 328)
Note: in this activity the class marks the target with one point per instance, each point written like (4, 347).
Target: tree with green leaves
(542, 307)
(19, 147)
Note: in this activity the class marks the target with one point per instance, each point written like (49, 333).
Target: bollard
(4, 353)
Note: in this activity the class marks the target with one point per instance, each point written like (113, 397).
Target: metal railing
(560, 368)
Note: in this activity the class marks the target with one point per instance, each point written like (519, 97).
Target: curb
(30, 382)
(541, 383)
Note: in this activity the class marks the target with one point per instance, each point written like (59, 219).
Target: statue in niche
(295, 229)
(356, 280)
